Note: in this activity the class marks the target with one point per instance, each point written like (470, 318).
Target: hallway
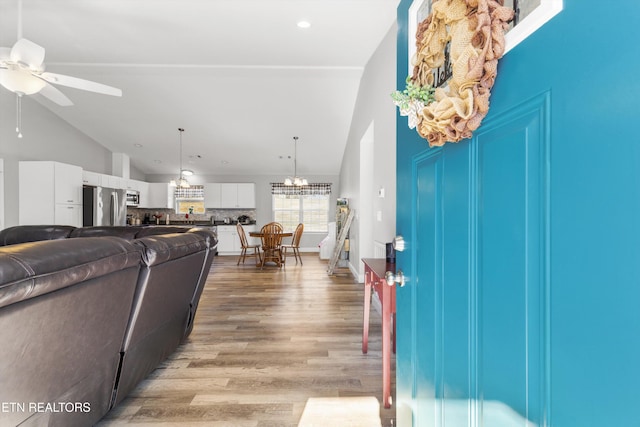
(264, 342)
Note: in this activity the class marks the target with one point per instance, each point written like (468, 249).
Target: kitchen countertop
(197, 223)
(233, 223)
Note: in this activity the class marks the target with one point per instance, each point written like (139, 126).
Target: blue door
(522, 258)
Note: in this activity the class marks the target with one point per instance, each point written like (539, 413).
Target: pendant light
(182, 181)
(295, 180)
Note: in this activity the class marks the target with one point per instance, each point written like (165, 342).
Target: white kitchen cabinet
(227, 236)
(160, 196)
(230, 195)
(228, 239)
(116, 182)
(246, 195)
(212, 194)
(96, 179)
(49, 193)
(91, 178)
(143, 188)
(67, 183)
(68, 214)
(237, 195)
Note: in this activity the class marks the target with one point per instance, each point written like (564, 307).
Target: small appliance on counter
(244, 219)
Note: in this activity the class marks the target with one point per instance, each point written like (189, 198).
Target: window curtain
(316, 189)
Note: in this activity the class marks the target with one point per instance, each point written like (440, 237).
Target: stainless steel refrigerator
(103, 206)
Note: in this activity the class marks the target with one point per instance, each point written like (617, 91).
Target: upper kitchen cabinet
(143, 190)
(160, 195)
(49, 193)
(246, 195)
(230, 195)
(93, 179)
(212, 197)
(238, 195)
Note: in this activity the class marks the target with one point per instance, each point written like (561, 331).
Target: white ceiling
(238, 75)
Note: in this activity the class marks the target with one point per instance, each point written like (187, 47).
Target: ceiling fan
(22, 71)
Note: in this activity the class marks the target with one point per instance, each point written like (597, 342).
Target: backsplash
(216, 214)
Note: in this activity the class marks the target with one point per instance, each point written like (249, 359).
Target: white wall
(45, 137)
(373, 106)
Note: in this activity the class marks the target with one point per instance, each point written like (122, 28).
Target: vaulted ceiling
(239, 76)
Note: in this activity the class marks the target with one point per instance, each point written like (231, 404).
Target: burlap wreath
(476, 30)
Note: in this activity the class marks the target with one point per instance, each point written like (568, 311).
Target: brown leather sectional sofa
(88, 313)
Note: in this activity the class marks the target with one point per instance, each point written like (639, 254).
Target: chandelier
(181, 181)
(295, 180)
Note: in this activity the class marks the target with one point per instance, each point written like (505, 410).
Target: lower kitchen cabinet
(228, 240)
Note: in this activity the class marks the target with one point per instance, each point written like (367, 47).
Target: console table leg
(367, 307)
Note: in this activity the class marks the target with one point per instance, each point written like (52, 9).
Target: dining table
(260, 234)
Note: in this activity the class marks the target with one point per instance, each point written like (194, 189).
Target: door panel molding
(426, 288)
(509, 217)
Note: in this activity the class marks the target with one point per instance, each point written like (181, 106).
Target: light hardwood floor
(263, 344)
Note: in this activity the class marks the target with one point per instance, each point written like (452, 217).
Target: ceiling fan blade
(53, 94)
(80, 84)
(29, 53)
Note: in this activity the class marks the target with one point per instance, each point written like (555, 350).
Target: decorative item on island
(454, 68)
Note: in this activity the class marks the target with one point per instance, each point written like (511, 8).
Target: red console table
(374, 277)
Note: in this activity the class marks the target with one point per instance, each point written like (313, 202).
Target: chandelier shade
(295, 180)
(181, 181)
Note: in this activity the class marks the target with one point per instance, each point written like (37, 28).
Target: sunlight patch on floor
(341, 412)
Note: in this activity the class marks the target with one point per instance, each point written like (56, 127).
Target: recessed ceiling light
(304, 24)
(157, 161)
(224, 162)
(137, 145)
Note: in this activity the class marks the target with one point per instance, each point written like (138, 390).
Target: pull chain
(19, 114)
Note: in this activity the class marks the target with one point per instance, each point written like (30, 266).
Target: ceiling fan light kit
(22, 72)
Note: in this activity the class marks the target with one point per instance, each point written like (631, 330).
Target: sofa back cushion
(160, 229)
(37, 268)
(33, 233)
(125, 232)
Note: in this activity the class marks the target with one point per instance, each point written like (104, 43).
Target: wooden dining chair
(294, 245)
(246, 247)
(271, 242)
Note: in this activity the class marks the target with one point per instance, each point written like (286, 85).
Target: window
(308, 204)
